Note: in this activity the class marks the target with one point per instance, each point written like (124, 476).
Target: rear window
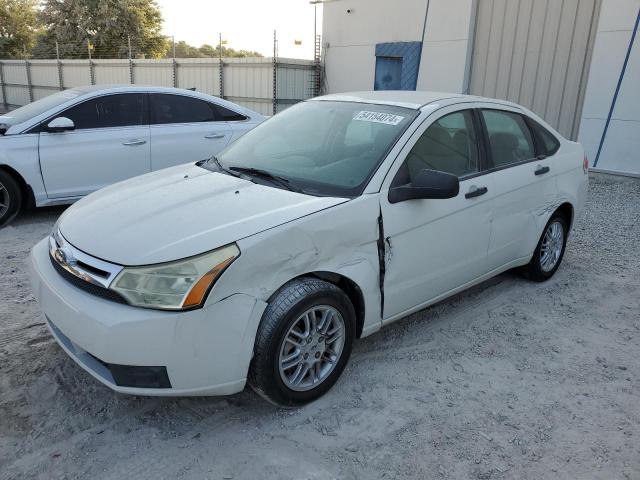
(548, 144)
(227, 115)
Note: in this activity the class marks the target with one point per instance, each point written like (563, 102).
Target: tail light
(585, 164)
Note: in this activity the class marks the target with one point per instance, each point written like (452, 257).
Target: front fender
(340, 240)
(20, 154)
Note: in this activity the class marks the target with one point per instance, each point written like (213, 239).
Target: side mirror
(60, 124)
(428, 184)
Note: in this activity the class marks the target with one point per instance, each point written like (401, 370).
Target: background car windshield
(33, 109)
(324, 147)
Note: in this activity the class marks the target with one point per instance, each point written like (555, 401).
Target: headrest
(437, 141)
(504, 140)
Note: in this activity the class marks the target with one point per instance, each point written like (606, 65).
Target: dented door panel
(434, 246)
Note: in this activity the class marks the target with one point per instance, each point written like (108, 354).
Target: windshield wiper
(219, 166)
(258, 172)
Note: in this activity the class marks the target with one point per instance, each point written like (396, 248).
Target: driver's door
(434, 246)
(110, 143)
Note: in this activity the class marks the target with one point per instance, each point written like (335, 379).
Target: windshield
(34, 109)
(321, 147)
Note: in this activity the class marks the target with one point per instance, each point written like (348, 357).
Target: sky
(245, 24)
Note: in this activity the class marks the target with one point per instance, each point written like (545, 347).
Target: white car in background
(69, 144)
(328, 221)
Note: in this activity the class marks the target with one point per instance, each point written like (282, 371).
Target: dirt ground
(510, 379)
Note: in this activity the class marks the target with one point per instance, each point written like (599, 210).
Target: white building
(574, 62)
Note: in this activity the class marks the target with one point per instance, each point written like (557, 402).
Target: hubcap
(551, 247)
(311, 348)
(4, 200)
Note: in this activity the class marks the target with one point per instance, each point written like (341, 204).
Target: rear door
(110, 143)
(185, 129)
(437, 245)
(525, 187)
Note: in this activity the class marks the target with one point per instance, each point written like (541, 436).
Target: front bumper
(205, 351)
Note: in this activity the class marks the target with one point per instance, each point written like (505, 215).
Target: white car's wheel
(550, 249)
(10, 198)
(303, 342)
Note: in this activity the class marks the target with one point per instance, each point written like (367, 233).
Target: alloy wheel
(311, 348)
(5, 200)
(551, 247)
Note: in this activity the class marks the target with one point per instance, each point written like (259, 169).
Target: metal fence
(266, 85)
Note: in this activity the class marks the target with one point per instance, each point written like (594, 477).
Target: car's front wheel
(303, 342)
(10, 198)
(550, 249)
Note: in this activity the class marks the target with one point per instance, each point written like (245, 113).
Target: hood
(179, 212)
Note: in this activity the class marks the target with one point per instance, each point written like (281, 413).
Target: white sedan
(320, 226)
(69, 144)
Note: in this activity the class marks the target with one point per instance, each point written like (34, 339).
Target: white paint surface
(432, 249)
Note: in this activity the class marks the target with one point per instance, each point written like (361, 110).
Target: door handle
(476, 192)
(137, 141)
(214, 135)
(541, 170)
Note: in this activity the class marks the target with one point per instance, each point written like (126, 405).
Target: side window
(167, 108)
(448, 145)
(117, 110)
(509, 137)
(548, 144)
(226, 115)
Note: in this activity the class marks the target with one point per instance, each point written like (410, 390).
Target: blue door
(388, 73)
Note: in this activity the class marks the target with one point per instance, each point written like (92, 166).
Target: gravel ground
(510, 379)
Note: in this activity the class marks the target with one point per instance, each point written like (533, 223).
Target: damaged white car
(328, 221)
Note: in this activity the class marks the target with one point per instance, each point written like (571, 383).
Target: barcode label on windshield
(377, 117)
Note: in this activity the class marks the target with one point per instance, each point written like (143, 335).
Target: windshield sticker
(378, 117)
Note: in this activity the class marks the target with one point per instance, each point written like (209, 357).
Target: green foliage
(106, 24)
(18, 27)
(184, 50)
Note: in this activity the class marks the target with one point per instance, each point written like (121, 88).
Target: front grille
(91, 288)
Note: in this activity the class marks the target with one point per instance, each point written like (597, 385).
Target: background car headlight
(176, 285)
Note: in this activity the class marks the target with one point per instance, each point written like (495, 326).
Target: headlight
(176, 285)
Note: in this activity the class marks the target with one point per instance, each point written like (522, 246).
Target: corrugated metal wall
(247, 81)
(535, 53)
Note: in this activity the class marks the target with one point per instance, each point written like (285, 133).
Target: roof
(401, 98)
(123, 86)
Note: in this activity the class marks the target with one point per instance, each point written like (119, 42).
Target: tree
(18, 27)
(107, 24)
(184, 50)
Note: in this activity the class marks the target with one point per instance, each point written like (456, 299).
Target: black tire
(10, 198)
(289, 303)
(535, 270)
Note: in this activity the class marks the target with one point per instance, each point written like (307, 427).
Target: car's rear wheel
(303, 342)
(10, 198)
(550, 249)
